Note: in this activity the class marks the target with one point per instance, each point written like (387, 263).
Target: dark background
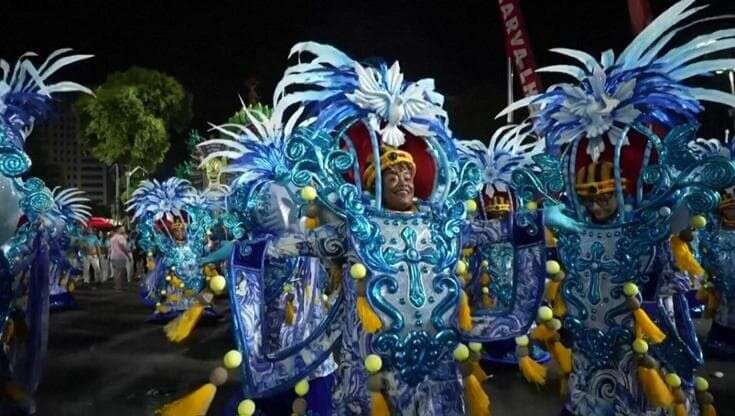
(212, 47)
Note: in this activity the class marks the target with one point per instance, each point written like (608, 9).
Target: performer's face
(398, 187)
(728, 215)
(179, 232)
(601, 207)
(497, 215)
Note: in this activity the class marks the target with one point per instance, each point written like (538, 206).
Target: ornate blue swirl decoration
(13, 162)
(37, 198)
(418, 353)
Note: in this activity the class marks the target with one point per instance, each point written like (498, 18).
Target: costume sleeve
(670, 280)
(327, 241)
(481, 232)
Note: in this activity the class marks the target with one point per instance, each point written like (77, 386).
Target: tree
(185, 170)
(131, 117)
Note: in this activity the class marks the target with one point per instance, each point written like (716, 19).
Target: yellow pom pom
(232, 359)
(485, 264)
(168, 278)
(545, 314)
(531, 206)
(163, 293)
(461, 353)
(485, 290)
(698, 222)
(630, 289)
(246, 408)
(673, 380)
(373, 363)
(522, 341)
(217, 283)
(461, 267)
(701, 384)
(552, 267)
(475, 346)
(302, 387)
(470, 205)
(358, 271)
(308, 193)
(640, 346)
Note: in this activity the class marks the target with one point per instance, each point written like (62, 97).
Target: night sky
(214, 47)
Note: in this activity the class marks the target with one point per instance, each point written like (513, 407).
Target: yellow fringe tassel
(180, 328)
(464, 316)
(645, 326)
(478, 372)
(378, 405)
(654, 387)
(370, 320)
(680, 410)
(195, 404)
(477, 401)
(563, 356)
(532, 371)
(559, 307)
(709, 410)
(552, 290)
(711, 301)
(542, 333)
(563, 385)
(487, 301)
(290, 317)
(684, 259)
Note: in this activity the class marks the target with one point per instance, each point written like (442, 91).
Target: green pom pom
(461, 353)
(640, 346)
(522, 341)
(673, 380)
(302, 387)
(630, 289)
(232, 359)
(701, 384)
(358, 271)
(545, 314)
(308, 193)
(461, 267)
(552, 267)
(246, 408)
(475, 346)
(373, 363)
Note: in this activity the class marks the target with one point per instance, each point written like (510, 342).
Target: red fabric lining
(417, 147)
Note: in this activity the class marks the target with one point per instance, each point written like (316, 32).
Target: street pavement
(104, 360)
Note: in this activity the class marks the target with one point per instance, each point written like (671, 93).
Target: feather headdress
(71, 205)
(256, 151)
(161, 200)
(25, 92)
(644, 84)
(342, 88)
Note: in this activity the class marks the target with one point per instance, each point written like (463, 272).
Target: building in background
(59, 137)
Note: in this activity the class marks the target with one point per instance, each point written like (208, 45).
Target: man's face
(601, 207)
(179, 232)
(398, 187)
(497, 215)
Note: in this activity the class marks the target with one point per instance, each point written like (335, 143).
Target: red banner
(518, 45)
(640, 14)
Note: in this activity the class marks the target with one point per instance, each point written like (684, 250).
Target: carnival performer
(25, 97)
(620, 309)
(489, 276)
(173, 222)
(65, 249)
(367, 159)
(717, 250)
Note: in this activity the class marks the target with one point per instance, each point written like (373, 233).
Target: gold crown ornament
(595, 179)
